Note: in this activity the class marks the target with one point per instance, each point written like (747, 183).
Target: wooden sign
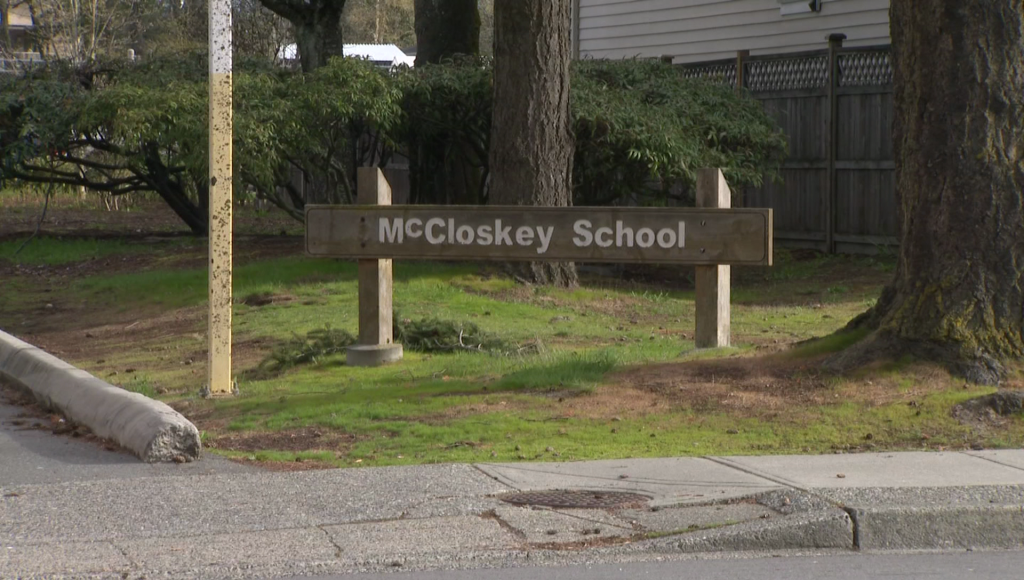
(573, 234)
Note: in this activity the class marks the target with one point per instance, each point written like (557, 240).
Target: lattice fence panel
(717, 73)
(787, 74)
(865, 69)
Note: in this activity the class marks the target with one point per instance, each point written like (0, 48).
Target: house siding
(701, 30)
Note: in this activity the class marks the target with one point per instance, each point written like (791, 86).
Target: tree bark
(958, 292)
(318, 36)
(531, 140)
(317, 25)
(445, 28)
(170, 190)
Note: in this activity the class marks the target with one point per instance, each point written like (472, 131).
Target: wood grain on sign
(580, 234)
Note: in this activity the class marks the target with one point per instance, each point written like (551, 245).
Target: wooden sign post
(712, 283)
(712, 237)
(376, 313)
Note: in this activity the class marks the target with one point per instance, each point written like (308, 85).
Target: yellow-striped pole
(220, 199)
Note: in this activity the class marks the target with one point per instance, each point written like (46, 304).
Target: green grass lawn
(617, 374)
(56, 252)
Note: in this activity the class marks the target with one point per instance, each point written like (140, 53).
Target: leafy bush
(638, 121)
(446, 130)
(638, 124)
(641, 129)
(144, 127)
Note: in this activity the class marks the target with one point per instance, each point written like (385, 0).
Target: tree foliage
(123, 128)
(84, 30)
(257, 31)
(446, 130)
(445, 28)
(638, 124)
(120, 127)
(639, 120)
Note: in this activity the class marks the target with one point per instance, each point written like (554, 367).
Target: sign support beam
(220, 194)
(713, 315)
(376, 312)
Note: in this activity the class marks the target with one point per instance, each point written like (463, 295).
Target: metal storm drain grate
(576, 499)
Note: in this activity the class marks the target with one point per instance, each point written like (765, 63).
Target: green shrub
(446, 130)
(144, 127)
(639, 122)
(640, 129)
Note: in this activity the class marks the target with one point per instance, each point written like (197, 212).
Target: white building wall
(700, 30)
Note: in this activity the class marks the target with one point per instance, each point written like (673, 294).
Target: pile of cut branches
(428, 335)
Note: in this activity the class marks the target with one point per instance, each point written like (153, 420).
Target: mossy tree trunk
(958, 292)
(531, 139)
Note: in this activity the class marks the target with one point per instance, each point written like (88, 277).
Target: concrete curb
(933, 518)
(939, 528)
(832, 529)
(150, 429)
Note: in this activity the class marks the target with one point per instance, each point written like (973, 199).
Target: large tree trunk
(531, 139)
(958, 293)
(317, 25)
(445, 28)
(318, 35)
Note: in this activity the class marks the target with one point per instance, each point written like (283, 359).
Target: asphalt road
(33, 455)
(960, 566)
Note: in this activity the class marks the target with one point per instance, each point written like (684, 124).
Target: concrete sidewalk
(67, 509)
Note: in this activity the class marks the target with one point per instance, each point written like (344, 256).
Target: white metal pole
(220, 198)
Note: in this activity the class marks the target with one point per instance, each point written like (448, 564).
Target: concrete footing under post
(373, 355)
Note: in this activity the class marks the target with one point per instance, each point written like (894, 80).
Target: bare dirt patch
(144, 216)
(617, 306)
(92, 335)
(76, 331)
(763, 386)
(295, 440)
(267, 298)
(288, 466)
(749, 385)
(992, 411)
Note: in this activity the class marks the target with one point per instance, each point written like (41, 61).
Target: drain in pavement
(576, 499)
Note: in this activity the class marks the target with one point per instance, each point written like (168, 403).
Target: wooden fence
(835, 106)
